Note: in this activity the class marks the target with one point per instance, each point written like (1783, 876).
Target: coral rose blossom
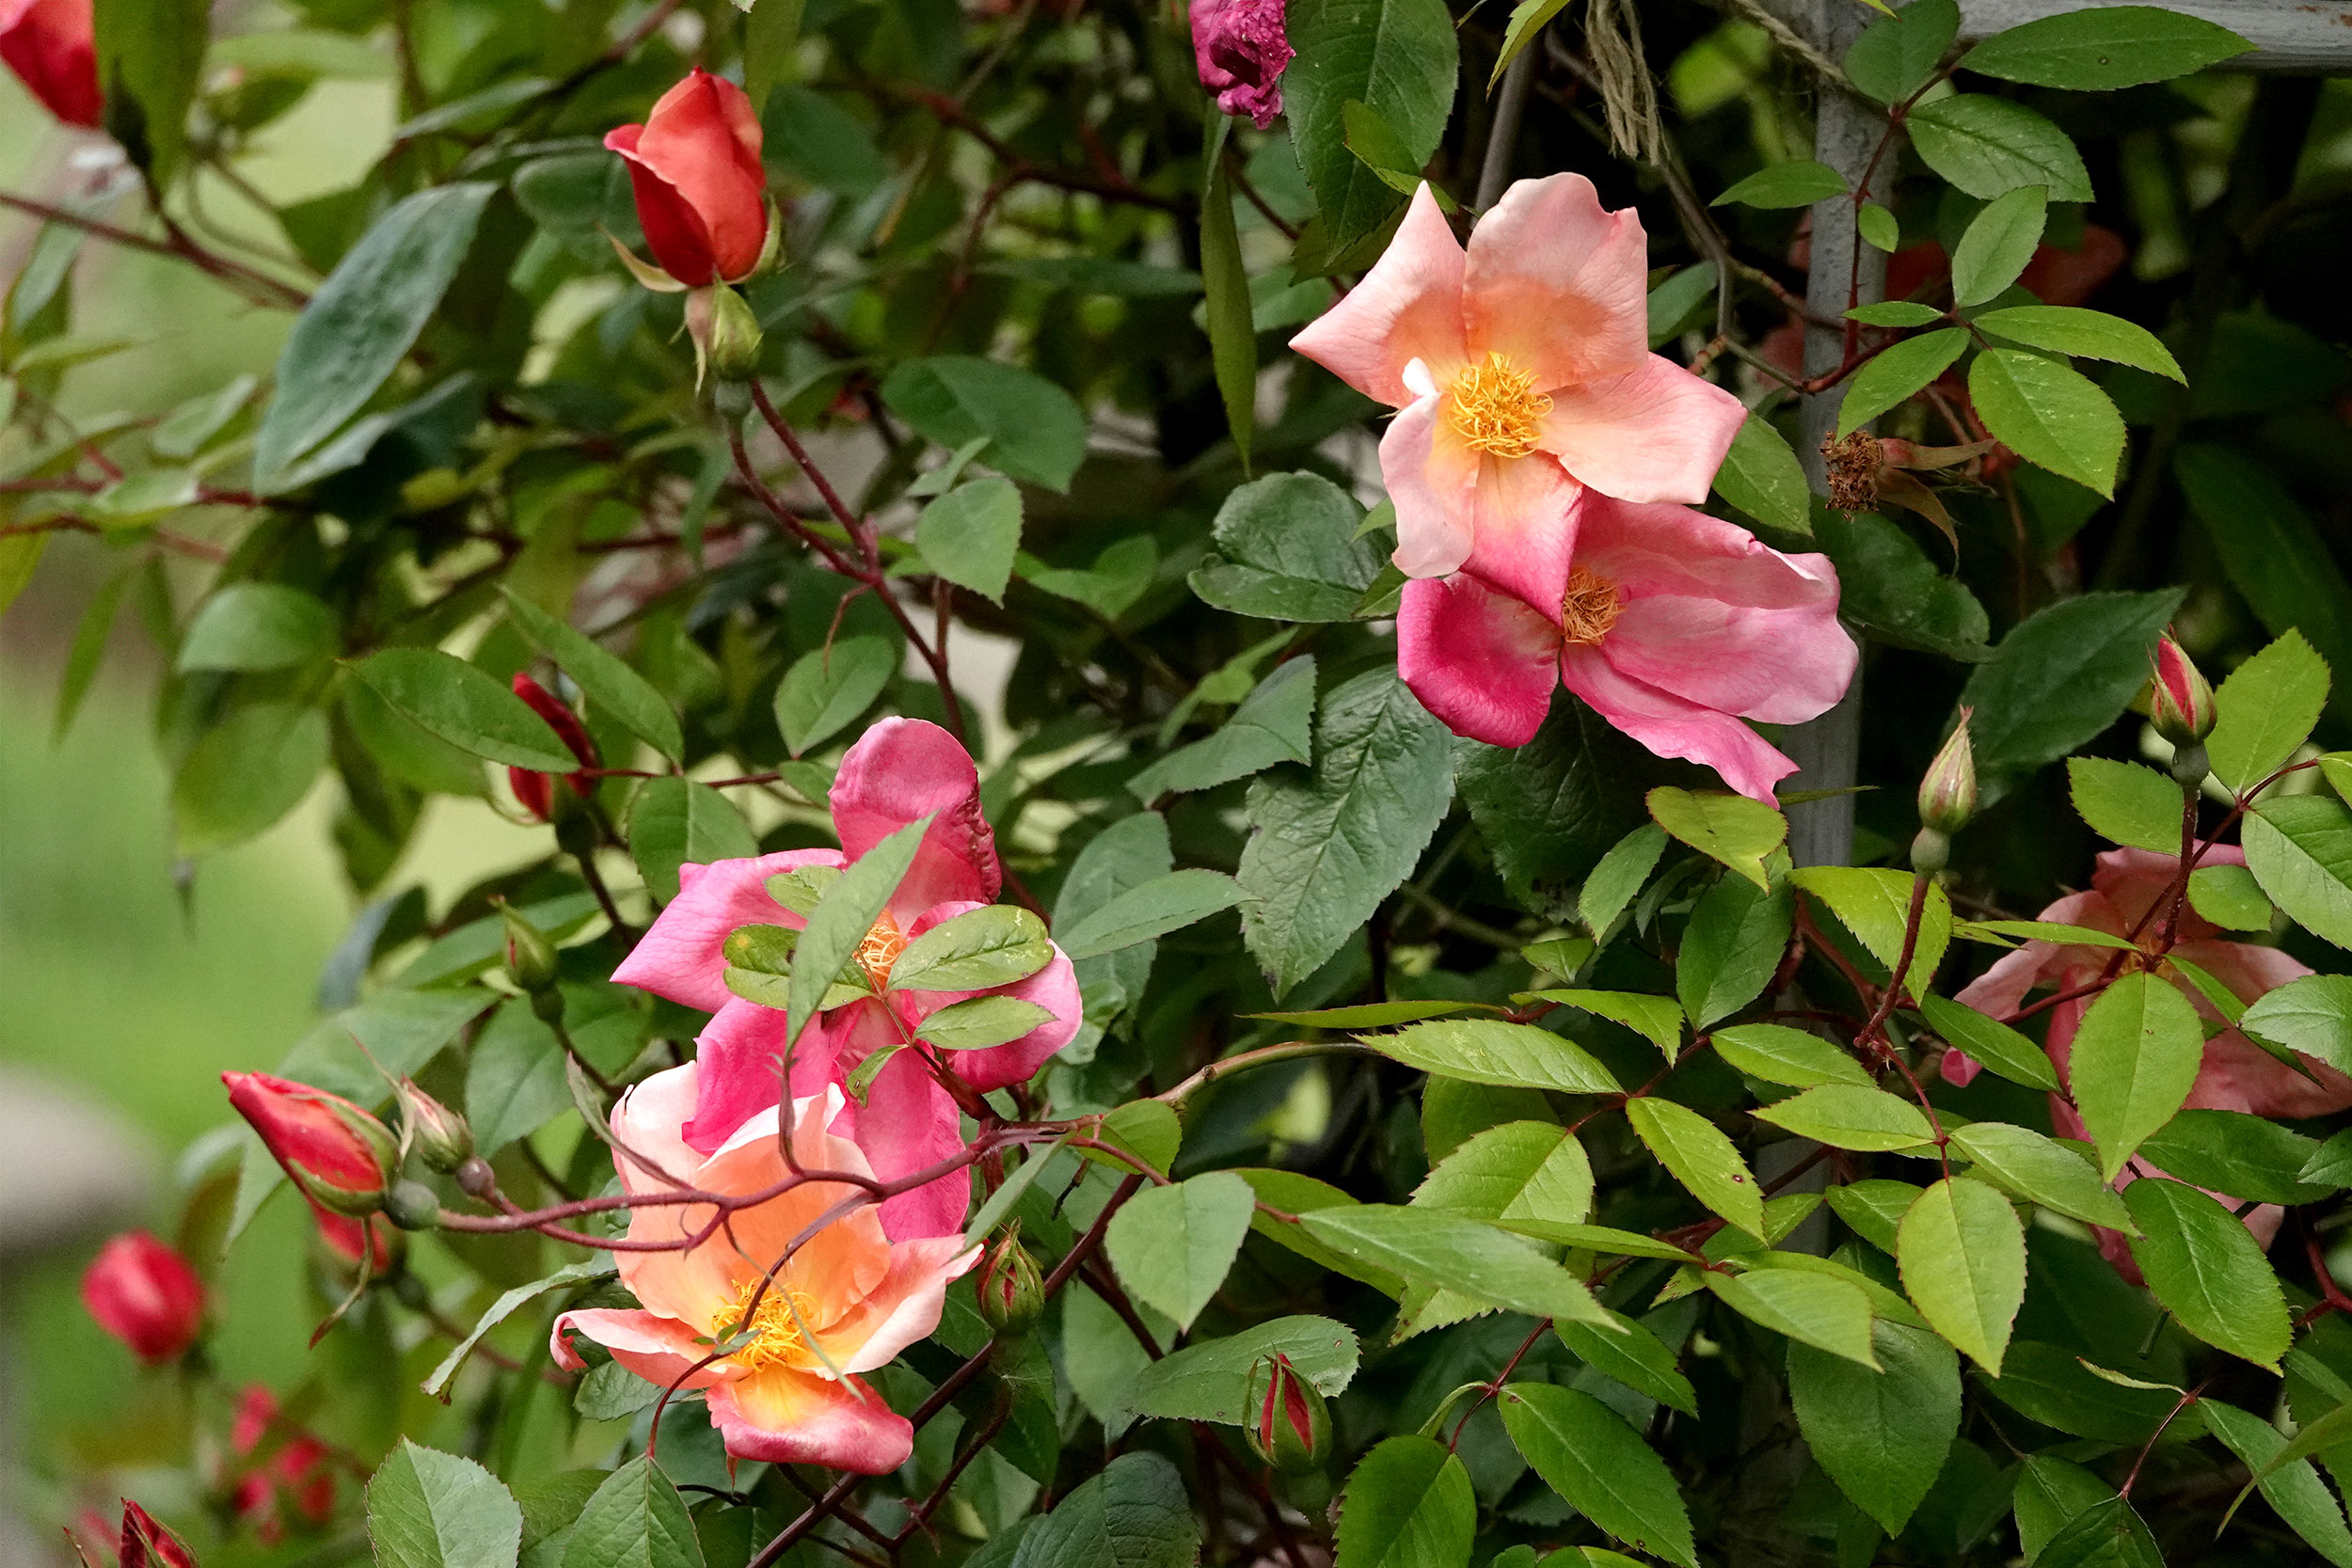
(1523, 373)
(1673, 625)
(702, 196)
(146, 1295)
(50, 45)
(796, 1329)
(901, 770)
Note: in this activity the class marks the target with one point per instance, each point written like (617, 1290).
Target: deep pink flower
(1673, 625)
(51, 45)
(300, 1476)
(535, 792)
(901, 769)
(145, 1294)
(1523, 373)
(848, 1301)
(702, 196)
(1241, 49)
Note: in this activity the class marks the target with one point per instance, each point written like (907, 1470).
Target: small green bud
(1930, 852)
(2190, 764)
(1011, 1294)
(727, 335)
(1947, 793)
(1290, 1427)
(529, 953)
(440, 1135)
(413, 1206)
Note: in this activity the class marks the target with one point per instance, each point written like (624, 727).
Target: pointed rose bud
(537, 791)
(1947, 793)
(1289, 1426)
(52, 46)
(337, 1154)
(146, 1544)
(146, 1295)
(2180, 702)
(1011, 1293)
(442, 1138)
(531, 960)
(702, 194)
(726, 334)
(1241, 50)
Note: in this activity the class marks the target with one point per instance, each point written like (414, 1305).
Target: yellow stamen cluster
(772, 1328)
(1589, 608)
(1497, 408)
(880, 950)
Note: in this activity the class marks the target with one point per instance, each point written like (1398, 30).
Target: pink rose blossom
(1242, 50)
(901, 769)
(1522, 373)
(802, 1322)
(1672, 624)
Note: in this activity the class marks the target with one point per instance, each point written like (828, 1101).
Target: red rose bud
(702, 196)
(537, 791)
(441, 1137)
(1289, 1426)
(146, 1295)
(2180, 702)
(147, 1544)
(1011, 1293)
(51, 45)
(300, 1476)
(337, 1154)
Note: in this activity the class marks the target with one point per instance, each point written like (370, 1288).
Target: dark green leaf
(2062, 675)
(514, 1079)
(1125, 855)
(1586, 1452)
(843, 916)
(1895, 55)
(1173, 1245)
(2088, 334)
(2233, 1152)
(150, 59)
(1998, 243)
(2207, 1271)
(1489, 1051)
(1232, 337)
(1455, 1252)
(456, 702)
(2295, 1489)
(1274, 724)
(1890, 589)
(1779, 1054)
(1397, 57)
(610, 683)
(245, 773)
(2312, 1015)
(2041, 1170)
(1798, 182)
(1882, 1436)
(1990, 146)
(258, 626)
(1035, 430)
(970, 535)
(674, 821)
(1134, 1514)
(1732, 947)
(1896, 374)
(1408, 1504)
(1618, 877)
(2272, 553)
(1210, 1381)
(2104, 48)
(978, 1022)
(1289, 552)
(1549, 809)
(829, 686)
(1762, 477)
(2300, 848)
(1164, 904)
(2105, 1535)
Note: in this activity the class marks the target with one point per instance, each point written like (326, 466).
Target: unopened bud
(529, 953)
(147, 1544)
(337, 1154)
(734, 336)
(2180, 701)
(413, 1206)
(1288, 1428)
(1947, 792)
(440, 1135)
(1011, 1293)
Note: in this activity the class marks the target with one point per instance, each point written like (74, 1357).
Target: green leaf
(1998, 243)
(2272, 553)
(2049, 414)
(978, 1022)
(2126, 802)
(1528, 20)
(1632, 1356)
(1874, 903)
(1990, 146)
(1851, 1116)
(674, 821)
(1882, 1436)
(452, 699)
(2007, 933)
(1489, 1051)
(245, 773)
(1730, 829)
(1895, 313)
(1122, 571)
(1520, 1170)
(1732, 948)
(1657, 1019)
(1369, 1015)
(2300, 848)
(1464, 1255)
(2135, 1057)
(2104, 48)
(258, 626)
(2062, 675)
(1408, 1504)
(975, 951)
(1398, 58)
(1288, 551)
(1889, 588)
(1994, 1044)
(2233, 1152)
(150, 59)
(1676, 302)
(1164, 904)
(2294, 1490)
(427, 1509)
(1619, 875)
(2312, 1015)
(827, 688)
(1036, 433)
(1144, 1128)
(504, 1308)
(2230, 897)
(1895, 55)
(970, 535)
(2086, 333)
(1896, 372)
(1797, 183)
(1210, 1381)
(514, 1079)
(364, 318)
(2207, 1271)
(1133, 1514)
(1233, 334)
(1878, 227)
(1696, 1153)
(2104, 1535)
(1173, 1245)
(1963, 1255)
(1874, 1209)
(1549, 811)
(842, 917)
(1326, 847)
(1762, 477)
(1586, 1452)
(610, 683)
(1817, 1310)
(2041, 1170)
(2269, 707)
(1779, 1054)
(1275, 724)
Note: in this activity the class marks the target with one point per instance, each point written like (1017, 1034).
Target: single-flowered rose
(537, 791)
(900, 772)
(337, 1154)
(1672, 624)
(702, 197)
(1242, 50)
(796, 1329)
(147, 1543)
(1522, 374)
(50, 46)
(297, 1480)
(145, 1294)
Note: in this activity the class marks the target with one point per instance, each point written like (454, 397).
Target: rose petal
(1557, 284)
(794, 1417)
(1653, 433)
(1483, 662)
(901, 770)
(1409, 306)
(683, 956)
(1672, 727)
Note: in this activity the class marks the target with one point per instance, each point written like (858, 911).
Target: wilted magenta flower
(1242, 50)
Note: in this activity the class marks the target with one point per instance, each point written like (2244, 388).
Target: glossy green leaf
(1520, 1170)
(1408, 1504)
(2135, 1057)
(2104, 48)
(1732, 948)
(1632, 1356)
(843, 916)
(427, 1509)
(970, 535)
(978, 1023)
(1962, 1255)
(1035, 430)
(1398, 58)
(674, 821)
(1779, 1054)
(1882, 1436)
(1896, 54)
(1656, 1018)
(2050, 414)
(2047, 1172)
(1287, 550)
(977, 950)
(2300, 848)
(1851, 1116)
(1989, 146)
(1730, 829)
(2126, 802)
(2207, 1271)
(1164, 904)
(1994, 1044)
(1998, 243)
(1798, 182)
(461, 704)
(1173, 1245)
(828, 688)
(1888, 587)
(1489, 1051)
(2104, 1535)
(1761, 476)
(1133, 1514)
(2085, 334)
(1586, 1452)
(1210, 1381)
(2062, 675)
(1696, 1153)
(1619, 875)
(610, 685)
(1896, 372)
(1828, 1313)
(2268, 707)
(1232, 334)
(2238, 1154)
(1457, 1252)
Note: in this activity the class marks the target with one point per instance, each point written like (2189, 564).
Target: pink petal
(902, 770)
(2001, 989)
(659, 1350)
(680, 957)
(1054, 988)
(2134, 880)
(741, 1054)
(788, 1417)
(648, 1119)
(903, 1307)
(1430, 476)
(1959, 1068)
(1523, 526)
(1408, 308)
(1652, 432)
(1558, 285)
(1672, 727)
(1483, 662)
(907, 1123)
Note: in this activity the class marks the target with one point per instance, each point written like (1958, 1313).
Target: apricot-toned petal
(1483, 662)
(1674, 727)
(2239, 1075)
(680, 956)
(1408, 308)
(1654, 433)
(831, 1260)
(659, 1350)
(906, 769)
(1054, 988)
(795, 1417)
(1523, 527)
(1429, 474)
(1558, 285)
(904, 1307)
(648, 1120)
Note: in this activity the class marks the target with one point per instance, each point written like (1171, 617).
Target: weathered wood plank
(2305, 37)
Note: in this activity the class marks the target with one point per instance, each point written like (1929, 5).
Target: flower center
(1589, 608)
(772, 1330)
(880, 950)
(1497, 408)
